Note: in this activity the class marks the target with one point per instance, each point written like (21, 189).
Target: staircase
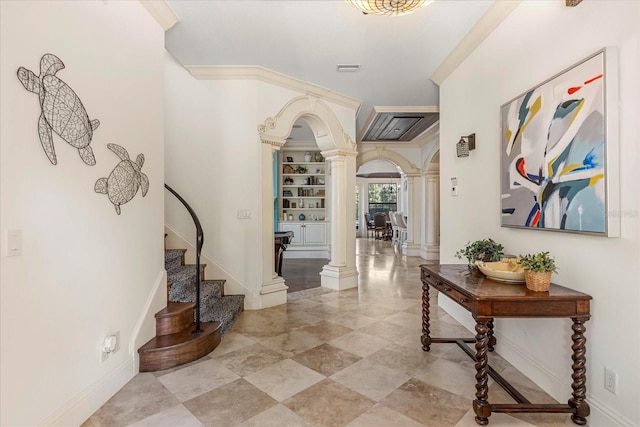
(215, 306)
(175, 343)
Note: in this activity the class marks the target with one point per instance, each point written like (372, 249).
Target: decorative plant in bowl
(538, 268)
(481, 250)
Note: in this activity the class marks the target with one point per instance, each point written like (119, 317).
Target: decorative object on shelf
(506, 270)
(318, 158)
(290, 217)
(288, 169)
(125, 179)
(287, 193)
(538, 268)
(301, 169)
(307, 157)
(481, 250)
(466, 144)
(388, 7)
(62, 111)
(288, 181)
(559, 151)
(301, 217)
(290, 159)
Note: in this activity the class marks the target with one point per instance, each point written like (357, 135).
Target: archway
(411, 175)
(339, 150)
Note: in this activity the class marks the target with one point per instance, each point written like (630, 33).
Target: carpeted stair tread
(173, 258)
(225, 310)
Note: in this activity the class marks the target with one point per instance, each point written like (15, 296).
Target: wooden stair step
(168, 351)
(176, 317)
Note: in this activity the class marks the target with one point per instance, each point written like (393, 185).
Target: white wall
(538, 40)
(85, 272)
(213, 159)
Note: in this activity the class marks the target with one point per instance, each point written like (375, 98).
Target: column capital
(339, 153)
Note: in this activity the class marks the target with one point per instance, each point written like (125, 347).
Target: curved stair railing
(199, 243)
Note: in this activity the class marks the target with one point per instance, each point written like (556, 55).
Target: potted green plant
(538, 268)
(481, 250)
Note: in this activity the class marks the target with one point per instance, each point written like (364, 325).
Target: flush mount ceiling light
(388, 7)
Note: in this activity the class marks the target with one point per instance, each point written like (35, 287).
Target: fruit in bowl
(506, 270)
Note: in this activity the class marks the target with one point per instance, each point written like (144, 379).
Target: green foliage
(481, 250)
(382, 193)
(540, 262)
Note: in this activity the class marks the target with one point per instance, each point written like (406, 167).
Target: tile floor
(350, 358)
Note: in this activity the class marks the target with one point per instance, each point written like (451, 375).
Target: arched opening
(339, 150)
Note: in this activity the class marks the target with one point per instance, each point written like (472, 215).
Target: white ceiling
(306, 39)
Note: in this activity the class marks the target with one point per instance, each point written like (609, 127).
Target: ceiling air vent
(346, 68)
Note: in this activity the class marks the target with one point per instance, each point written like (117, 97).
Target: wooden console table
(487, 299)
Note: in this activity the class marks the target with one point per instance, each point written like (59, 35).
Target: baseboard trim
(77, 410)
(601, 414)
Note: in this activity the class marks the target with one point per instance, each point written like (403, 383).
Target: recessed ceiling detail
(400, 126)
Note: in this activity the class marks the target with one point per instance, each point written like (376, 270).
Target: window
(382, 198)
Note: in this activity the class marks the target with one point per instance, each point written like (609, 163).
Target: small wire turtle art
(62, 110)
(125, 179)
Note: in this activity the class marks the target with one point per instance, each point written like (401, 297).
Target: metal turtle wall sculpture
(62, 110)
(125, 179)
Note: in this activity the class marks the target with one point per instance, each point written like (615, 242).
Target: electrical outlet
(103, 356)
(610, 380)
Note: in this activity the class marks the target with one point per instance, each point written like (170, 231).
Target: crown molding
(493, 17)
(206, 72)
(162, 12)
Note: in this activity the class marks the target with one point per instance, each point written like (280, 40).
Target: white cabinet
(310, 239)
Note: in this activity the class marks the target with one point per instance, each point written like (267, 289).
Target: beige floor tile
(326, 331)
(326, 359)
(381, 416)
(172, 417)
(284, 379)
(398, 358)
(232, 341)
(371, 379)
(353, 320)
(495, 420)
(329, 404)
(230, 404)
(276, 416)
(407, 321)
(359, 343)
(291, 342)
(386, 331)
(250, 359)
(427, 404)
(200, 378)
(140, 398)
(453, 377)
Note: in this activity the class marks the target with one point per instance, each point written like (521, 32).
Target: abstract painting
(557, 149)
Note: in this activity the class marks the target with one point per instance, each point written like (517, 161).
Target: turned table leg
(481, 406)
(425, 339)
(492, 337)
(581, 407)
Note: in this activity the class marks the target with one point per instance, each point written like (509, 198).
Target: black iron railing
(199, 243)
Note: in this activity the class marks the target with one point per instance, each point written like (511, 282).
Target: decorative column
(341, 272)
(432, 214)
(411, 246)
(273, 290)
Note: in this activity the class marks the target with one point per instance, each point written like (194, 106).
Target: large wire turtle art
(125, 179)
(62, 110)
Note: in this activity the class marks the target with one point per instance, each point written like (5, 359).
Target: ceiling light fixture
(388, 7)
